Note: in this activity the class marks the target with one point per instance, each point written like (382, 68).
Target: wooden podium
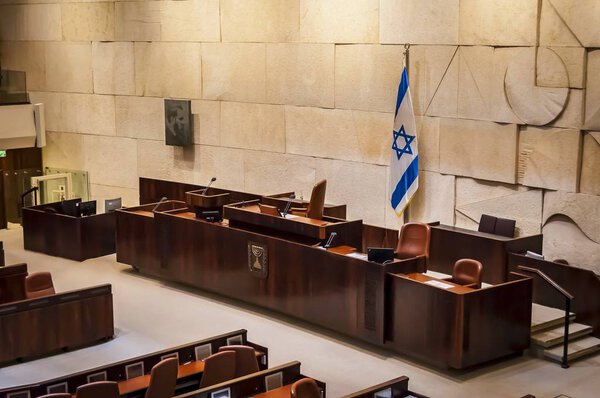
(211, 199)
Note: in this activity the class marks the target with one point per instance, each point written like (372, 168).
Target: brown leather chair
(467, 272)
(218, 368)
(245, 359)
(57, 395)
(98, 389)
(163, 378)
(316, 204)
(413, 241)
(39, 284)
(305, 388)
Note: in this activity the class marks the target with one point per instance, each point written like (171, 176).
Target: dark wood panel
(12, 283)
(397, 388)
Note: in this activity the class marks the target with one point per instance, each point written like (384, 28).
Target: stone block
(138, 20)
(428, 138)
(339, 134)
(500, 109)
(590, 164)
(157, 160)
(574, 59)
(64, 151)
(113, 68)
(367, 77)
(592, 92)
(478, 149)
(270, 173)
(553, 30)
(31, 22)
(581, 19)
(301, 74)
(168, 70)
(227, 164)
(583, 209)
(498, 22)
(234, 71)
(140, 117)
(88, 21)
(207, 122)
(282, 21)
(362, 187)
(339, 21)
(52, 108)
(572, 114)
(111, 161)
(419, 22)
(27, 57)
(129, 196)
(474, 198)
(190, 20)
(434, 200)
(253, 126)
(475, 71)
(549, 158)
(69, 67)
(550, 70)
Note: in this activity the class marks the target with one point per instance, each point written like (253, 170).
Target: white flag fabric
(404, 162)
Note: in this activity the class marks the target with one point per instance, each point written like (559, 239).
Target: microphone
(288, 205)
(209, 184)
(329, 242)
(159, 202)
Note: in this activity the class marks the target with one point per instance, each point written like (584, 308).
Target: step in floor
(577, 349)
(543, 318)
(551, 337)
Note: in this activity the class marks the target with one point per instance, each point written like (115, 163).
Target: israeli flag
(404, 163)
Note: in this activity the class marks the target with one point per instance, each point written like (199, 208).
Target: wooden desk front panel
(136, 242)
(98, 235)
(12, 283)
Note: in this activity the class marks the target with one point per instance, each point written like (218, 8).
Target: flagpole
(406, 215)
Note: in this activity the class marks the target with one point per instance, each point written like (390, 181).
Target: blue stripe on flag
(409, 176)
(402, 90)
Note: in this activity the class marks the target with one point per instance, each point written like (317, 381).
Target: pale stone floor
(151, 315)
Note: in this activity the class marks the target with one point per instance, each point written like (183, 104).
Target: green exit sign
(2, 154)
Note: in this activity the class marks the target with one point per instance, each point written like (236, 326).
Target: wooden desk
(425, 279)
(281, 392)
(397, 387)
(12, 283)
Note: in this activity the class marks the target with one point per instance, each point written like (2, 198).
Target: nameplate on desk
(290, 216)
(439, 284)
(360, 256)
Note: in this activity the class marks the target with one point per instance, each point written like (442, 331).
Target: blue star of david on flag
(408, 139)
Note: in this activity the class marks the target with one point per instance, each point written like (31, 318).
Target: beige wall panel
(592, 92)
(575, 59)
(129, 196)
(428, 138)
(477, 149)
(445, 99)
(138, 20)
(550, 69)
(500, 110)
(582, 18)
(475, 71)
(572, 115)
(140, 117)
(207, 122)
(361, 186)
(498, 22)
(30, 22)
(280, 20)
(190, 20)
(113, 68)
(367, 77)
(111, 161)
(52, 108)
(88, 21)
(164, 162)
(434, 200)
(549, 158)
(590, 164)
(583, 209)
(270, 173)
(419, 22)
(168, 70)
(553, 30)
(234, 71)
(64, 151)
(253, 126)
(339, 21)
(69, 67)
(301, 74)
(227, 164)
(28, 57)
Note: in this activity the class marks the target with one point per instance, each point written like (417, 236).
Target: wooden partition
(12, 283)
(48, 324)
(395, 388)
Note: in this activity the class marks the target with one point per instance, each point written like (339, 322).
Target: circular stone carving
(531, 103)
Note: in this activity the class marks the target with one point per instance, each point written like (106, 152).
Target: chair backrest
(487, 224)
(57, 395)
(39, 284)
(505, 227)
(98, 389)
(245, 359)
(218, 368)
(305, 388)
(163, 378)
(317, 201)
(467, 271)
(413, 241)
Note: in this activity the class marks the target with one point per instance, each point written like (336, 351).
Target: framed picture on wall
(179, 124)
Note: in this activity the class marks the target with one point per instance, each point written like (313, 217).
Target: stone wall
(285, 92)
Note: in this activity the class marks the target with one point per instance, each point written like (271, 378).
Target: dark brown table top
(425, 279)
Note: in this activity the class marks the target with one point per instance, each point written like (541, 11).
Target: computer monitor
(112, 204)
(87, 208)
(380, 255)
(69, 207)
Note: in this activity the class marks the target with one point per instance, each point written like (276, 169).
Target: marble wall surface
(285, 92)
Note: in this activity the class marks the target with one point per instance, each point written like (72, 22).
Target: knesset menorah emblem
(257, 259)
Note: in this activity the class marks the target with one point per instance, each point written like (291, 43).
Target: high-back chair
(413, 241)
(487, 223)
(305, 388)
(505, 227)
(467, 272)
(163, 378)
(98, 389)
(218, 368)
(245, 359)
(316, 204)
(39, 284)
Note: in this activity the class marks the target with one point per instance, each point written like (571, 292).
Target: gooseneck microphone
(159, 202)
(288, 205)
(330, 240)
(209, 184)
